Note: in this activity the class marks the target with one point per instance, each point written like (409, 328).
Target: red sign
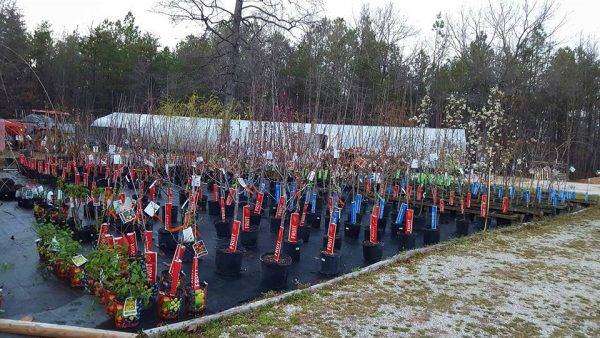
(409, 221)
(132, 241)
(462, 206)
(304, 209)
(259, 200)
(230, 196)
(235, 232)
(468, 200)
(293, 233)
(121, 241)
(396, 190)
(152, 189)
(330, 239)
(215, 193)
(435, 196)
(246, 225)
(504, 204)
(148, 234)
(442, 205)
(419, 193)
(452, 198)
(280, 206)
(408, 193)
(107, 240)
(373, 225)
(175, 270)
(278, 245)
(194, 279)
(77, 179)
(151, 259)
(330, 203)
(483, 206)
(368, 185)
(168, 208)
(222, 205)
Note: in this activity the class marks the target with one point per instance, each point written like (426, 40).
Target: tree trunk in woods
(230, 84)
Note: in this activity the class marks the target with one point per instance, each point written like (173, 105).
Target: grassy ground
(539, 279)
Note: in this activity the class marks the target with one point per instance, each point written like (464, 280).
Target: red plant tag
(148, 235)
(368, 185)
(85, 179)
(152, 190)
(259, 200)
(64, 173)
(246, 212)
(451, 198)
(462, 207)
(235, 232)
(175, 270)
(108, 240)
(504, 204)
(278, 244)
(293, 233)
(230, 196)
(168, 208)
(103, 231)
(330, 203)
(151, 260)
(132, 244)
(195, 280)
(77, 179)
(381, 188)
(409, 221)
(408, 193)
(170, 196)
(330, 239)
(396, 190)
(222, 205)
(122, 241)
(215, 193)
(419, 193)
(373, 225)
(176, 255)
(435, 196)
(280, 206)
(442, 205)
(304, 209)
(483, 206)
(468, 200)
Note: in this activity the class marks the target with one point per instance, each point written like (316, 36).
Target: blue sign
(500, 193)
(336, 216)
(313, 203)
(511, 192)
(434, 217)
(400, 218)
(277, 192)
(527, 197)
(353, 212)
(381, 205)
(538, 192)
(358, 202)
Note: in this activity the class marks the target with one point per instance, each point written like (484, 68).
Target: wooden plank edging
(37, 329)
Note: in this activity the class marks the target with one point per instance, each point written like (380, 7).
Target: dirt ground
(538, 279)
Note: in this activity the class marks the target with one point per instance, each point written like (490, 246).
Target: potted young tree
(373, 248)
(131, 295)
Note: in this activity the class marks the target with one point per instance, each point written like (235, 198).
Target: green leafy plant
(103, 265)
(134, 285)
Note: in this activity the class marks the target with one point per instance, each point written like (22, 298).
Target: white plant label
(151, 209)
(196, 182)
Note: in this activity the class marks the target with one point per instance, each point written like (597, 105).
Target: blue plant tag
(511, 192)
(313, 203)
(262, 186)
(434, 219)
(358, 202)
(277, 192)
(353, 212)
(381, 205)
(500, 193)
(400, 218)
(336, 216)
(539, 195)
(527, 198)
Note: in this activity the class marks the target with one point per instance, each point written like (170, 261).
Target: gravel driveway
(539, 279)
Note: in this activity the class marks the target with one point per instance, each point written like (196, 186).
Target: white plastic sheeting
(187, 132)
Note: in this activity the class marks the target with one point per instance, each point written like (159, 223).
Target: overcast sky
(68, 15)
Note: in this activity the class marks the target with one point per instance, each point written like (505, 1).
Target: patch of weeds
(295, 320)
(176, 334)
(356, 269)
(6, 266)
(324, 293)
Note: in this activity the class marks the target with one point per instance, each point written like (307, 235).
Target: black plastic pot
(274, 274)
(351, 230)
(337, 245)
(372, 252)
(304, 234)
(359, 218)
(313, 220)
(228, 210)
(214, 208)
(419, 223)
(330, 264)
(167, 241)
(291, 249)
(367, 232)
(406, 241)
(248, 239)
(462, 227)
(228, 263)
(223, 229)
(255, 219)
(431, 237)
